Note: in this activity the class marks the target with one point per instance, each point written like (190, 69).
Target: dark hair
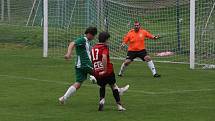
(136, 22)
(91, 30)
(103, 37)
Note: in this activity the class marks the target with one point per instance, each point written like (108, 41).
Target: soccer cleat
(120, 75)
(120, 108)
(156, 75)
(62, 100)
(101, 104)
(101, 107)
(123, 89)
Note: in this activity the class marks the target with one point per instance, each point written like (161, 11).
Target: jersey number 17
(97, 63)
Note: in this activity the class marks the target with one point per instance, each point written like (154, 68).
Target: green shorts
(81, 73)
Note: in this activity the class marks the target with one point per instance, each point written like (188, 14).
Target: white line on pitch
(135, 91)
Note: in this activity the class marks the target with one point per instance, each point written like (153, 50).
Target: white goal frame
(192, 34)
(45, 28)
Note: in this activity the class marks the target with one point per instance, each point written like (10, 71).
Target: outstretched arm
(69, 50)
(151, 36)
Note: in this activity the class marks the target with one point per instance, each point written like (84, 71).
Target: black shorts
(111, 80)
(131, 55)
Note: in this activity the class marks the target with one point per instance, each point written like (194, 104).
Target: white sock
(122, 69)
(102, 101)
(116, 87)
(69, 92)
(152, 67)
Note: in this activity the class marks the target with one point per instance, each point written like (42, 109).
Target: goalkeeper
(135, 39)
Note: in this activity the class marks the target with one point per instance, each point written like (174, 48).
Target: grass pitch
(30, 86)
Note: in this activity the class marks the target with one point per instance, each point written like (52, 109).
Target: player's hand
(67, 56)
(157, 36)
(122, 45)
(102, 73)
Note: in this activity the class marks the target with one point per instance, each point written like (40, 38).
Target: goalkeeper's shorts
(131, 55)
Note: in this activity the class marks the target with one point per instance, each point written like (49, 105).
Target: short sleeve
(80, 42)
(105, 51)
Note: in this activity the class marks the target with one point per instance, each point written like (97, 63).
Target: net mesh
(68, 19)
(169, 19)
(205, 28)
(13, 22)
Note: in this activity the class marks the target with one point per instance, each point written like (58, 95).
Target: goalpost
(7, 2)
(186, 26)
(45, 28)
(192, 34)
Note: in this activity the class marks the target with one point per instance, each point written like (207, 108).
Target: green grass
(30, 86)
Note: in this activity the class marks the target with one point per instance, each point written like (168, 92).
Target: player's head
(103, 37)
(91, 32)
(137, 26)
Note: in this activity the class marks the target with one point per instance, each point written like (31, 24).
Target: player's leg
(102, 83)
(70, 91)
(145, 57)
(151, 66)
(117, 97)
(128, 60)
(102, 98)
(112, 82)
(131, 55)
(122, 90)
(124, 66)
(81, 75)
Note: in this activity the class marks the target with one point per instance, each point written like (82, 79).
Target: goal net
(205, 29)
(21, 22)
(68, 19)
(169, 19)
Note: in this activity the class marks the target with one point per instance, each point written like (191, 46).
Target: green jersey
(83, 53)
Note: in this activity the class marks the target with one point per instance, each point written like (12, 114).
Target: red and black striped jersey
(96, 55)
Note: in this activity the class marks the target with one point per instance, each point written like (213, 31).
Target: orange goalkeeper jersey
(136, 40)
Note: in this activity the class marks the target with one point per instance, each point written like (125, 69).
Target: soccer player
(83, 63)
(103, 70)
(135, 39)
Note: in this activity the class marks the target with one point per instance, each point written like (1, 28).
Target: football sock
(116, 95)
(102, 92)
(69, 92)
(122, 69)
(116, 87)
(102, 101)
(152, 67)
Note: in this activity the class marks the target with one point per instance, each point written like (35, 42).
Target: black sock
(116, 96)
(102, 92)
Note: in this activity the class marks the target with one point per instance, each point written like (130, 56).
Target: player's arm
(150, 36)
(104, 63)
(125, 40)
(69, 50)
